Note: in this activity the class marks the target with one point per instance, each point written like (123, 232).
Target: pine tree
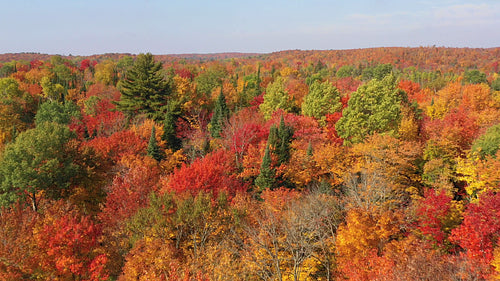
(266, 178)
(170, 128)
(145, 89)
(220, 116)
(309, 151)
(153, 149)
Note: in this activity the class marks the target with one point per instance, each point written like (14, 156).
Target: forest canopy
(368, 164)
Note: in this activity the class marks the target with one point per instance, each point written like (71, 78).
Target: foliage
(373, 108)
(322, 99)
(489, 143)
(369, 164)
(38, 161)
(219, 117)
(276, 97)
(145, 89)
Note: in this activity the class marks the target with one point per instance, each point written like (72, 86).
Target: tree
(145, 89)
(153, 149)
(374, 108)
(219, 117)
(52, 111)
(170, 127)
(266, 177)
(276, 97)
(475, 77)
(323, 99)
(478, 233)
(37, 161)
(489, 143)
(210, 174)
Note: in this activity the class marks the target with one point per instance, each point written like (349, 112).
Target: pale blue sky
(84, 27)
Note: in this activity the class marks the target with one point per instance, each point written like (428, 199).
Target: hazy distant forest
(368, 164)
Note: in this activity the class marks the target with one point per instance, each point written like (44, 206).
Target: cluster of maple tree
(374, 164)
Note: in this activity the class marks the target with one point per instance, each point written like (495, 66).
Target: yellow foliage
(144, 130)
(438, 109)
(8, 119)
(364, 232)
(288, 71)
(332, 160)
(408, 128)
(496, 263)
(172, 160)
(480, 175)
(182, 86)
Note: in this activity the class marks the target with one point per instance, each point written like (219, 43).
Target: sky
(86, 27)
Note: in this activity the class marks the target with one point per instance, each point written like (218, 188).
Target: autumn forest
(367, 164)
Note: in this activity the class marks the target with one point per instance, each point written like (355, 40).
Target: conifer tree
(144, 89)
(266, 178)
(170, 128)
(285, 134)
(309, 151)
(153, 149)
(220, 116)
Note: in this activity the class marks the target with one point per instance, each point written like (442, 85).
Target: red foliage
(431, 211)
(347, 85)
(36, 64)
(304, 127)
(119, 144)
(16, 234)
(332, 135)
(413, 91)
(458, 126)
(128, 193)
(86, 63)
(480, 231)
(258, 100)
(67, 242)
(211, 174)
(104, 122)
(244, 128)
(184, 73)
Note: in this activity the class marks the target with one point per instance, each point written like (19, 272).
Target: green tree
(374, 108)
(153, 149)
(276, 97)
(38, 160)
(106, 72)
(322, 99)
(285, 135)
(51, 91)
(489, 142)
(170, 126)
(9, 88)
(495, 85)
(346, 71)
(145, 89)
(52, 111)
(219, 117)
(266, 177)
(209, 79)
(475, 77)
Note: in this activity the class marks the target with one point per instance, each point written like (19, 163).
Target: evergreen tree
(266, 178)
(220, 116)
(309, 151)
(153, 149)
(145, 89)
(272, 139)
(170, 128)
